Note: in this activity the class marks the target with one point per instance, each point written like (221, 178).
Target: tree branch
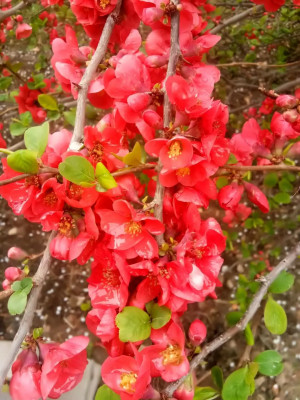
(241, 325)
(26, 321)
(135, 169)
(280, 167)
(257, 64)
(173, 60)
(11, 11)
(236, 18)
(17, 178)
(89, 75)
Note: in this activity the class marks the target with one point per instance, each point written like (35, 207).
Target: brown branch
(257, 64)
(135, 169)
(280, 167)
(14, 10)
(241, 325)
(26, 321)
(236, 18)
(17, 178)
(5, 293)
(89, 75)
(175, 53)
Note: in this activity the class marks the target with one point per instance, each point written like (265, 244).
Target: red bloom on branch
(257, 197)
(27, 101)
(230, 195)
(270, 5)
(23, 31)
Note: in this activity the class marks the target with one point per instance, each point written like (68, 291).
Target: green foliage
(105, 393)
(134, 158)
(282, 198)
(205, 393)
(78, 170)
(217, 377)
(269, 363)
(275, 317)
(134, 324)
(282, 283)
(160, 315)
(17, 302)
(48, 102)
(5, 82)
(104, 178)
(23, 161)
(240, 384)
(18, 127)
(36, 138)
(37, 333)
(38, 82)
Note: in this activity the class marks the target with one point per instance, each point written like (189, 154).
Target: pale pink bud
(16, 253)
(23, 31)
(197, 332)
(290, 116)
(287, 101)
(13, 273)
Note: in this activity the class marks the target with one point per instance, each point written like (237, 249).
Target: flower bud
(6, 284)
(229, 196)
(19, 18)
(13, 273)
(290, 116)
(197, 332)
(287, 101)
(16, 253)
(186, 390)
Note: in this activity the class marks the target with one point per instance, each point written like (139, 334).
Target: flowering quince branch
(257, 64)
(241, 325)
(13, 10)
(262, 168)
(237, 18)
(16, 178)
(89, 75)
(26, 321)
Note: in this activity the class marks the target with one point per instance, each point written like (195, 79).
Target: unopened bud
(197, 332)
(290, 116)
(186, 390)
(6, 284)
(13, 273)
(16, 253)
(287, 101)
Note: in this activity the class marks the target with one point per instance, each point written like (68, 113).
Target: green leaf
(233, 317)
(271, 179)
(217, 376)
(70, 116)
(17, 128)
(23, 161)
(282, 198)
(17, 302)
(25, 285)
(104, 178)
(5, 82)
(26, 118)
(205, 393)
(285, 185)
(85, 306)
(282, 283)
(240, 384)
(221, 182)
(134, 158)
(105, 393)
(134, 324)
(48, 102)
(78, 170)
(232, 159)
(160, 316)
(38, 82)
(37, 332)
(53, 115)
(36, 138)
(275, 317)
(249, 335)
(269, 363)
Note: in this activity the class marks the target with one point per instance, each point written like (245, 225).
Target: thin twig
(241, 325)
(173, 60)
(257, 64)
(26, 321)
(89, 75)
(280, 167)
(17, 178)
(236, 18)
(11, 11)
(135, 169)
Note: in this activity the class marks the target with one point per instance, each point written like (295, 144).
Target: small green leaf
(221, 182)
(105, 393)
(269, 363)
(205, 393)
(271, 179)
(282, 198)
(275, 317)
(240, 384)
(134, 324)
(23, 161)
(17, 128)
(26, 118)
(5, 82)
(160, 316)
(70, 116)
(232, 159)
(282, 283)
(104, 177)
(249, 335)
(17, 302)
(25, 285)
(85, 306)
(48, 102)
(233, 317)
(37, 332)
(38, 82)
(285, 185)
(36, 138)
(217, 376)
(78, 170)
(134, 158)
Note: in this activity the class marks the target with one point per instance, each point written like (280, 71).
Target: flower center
(103, 4)
(128, 381)
(50, 198)
(175, 149)
(183, 171)
(33, 180)
(172, 355)
(96, 153)
(66, 225)
(75, 192)
(133, 228)
(111, 277)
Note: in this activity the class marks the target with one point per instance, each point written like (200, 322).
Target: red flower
(127, 376)
(257, 197)
(63, 366)
(173, 154)
(197, 332)
(240, 214)
(27, 101)
(130, 230)
(23, 31)
(25, 381)
(230, 195)
(270, 5)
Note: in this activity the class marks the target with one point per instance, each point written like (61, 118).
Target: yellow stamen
(133, 228)
(128, 382)
(103, 3)
(183, 171)
(175, 149)
(172, 355)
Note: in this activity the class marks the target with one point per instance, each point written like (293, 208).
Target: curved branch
(11, 11)
(236, 18)
(241, 325)
(26, 321)
(89, 75)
